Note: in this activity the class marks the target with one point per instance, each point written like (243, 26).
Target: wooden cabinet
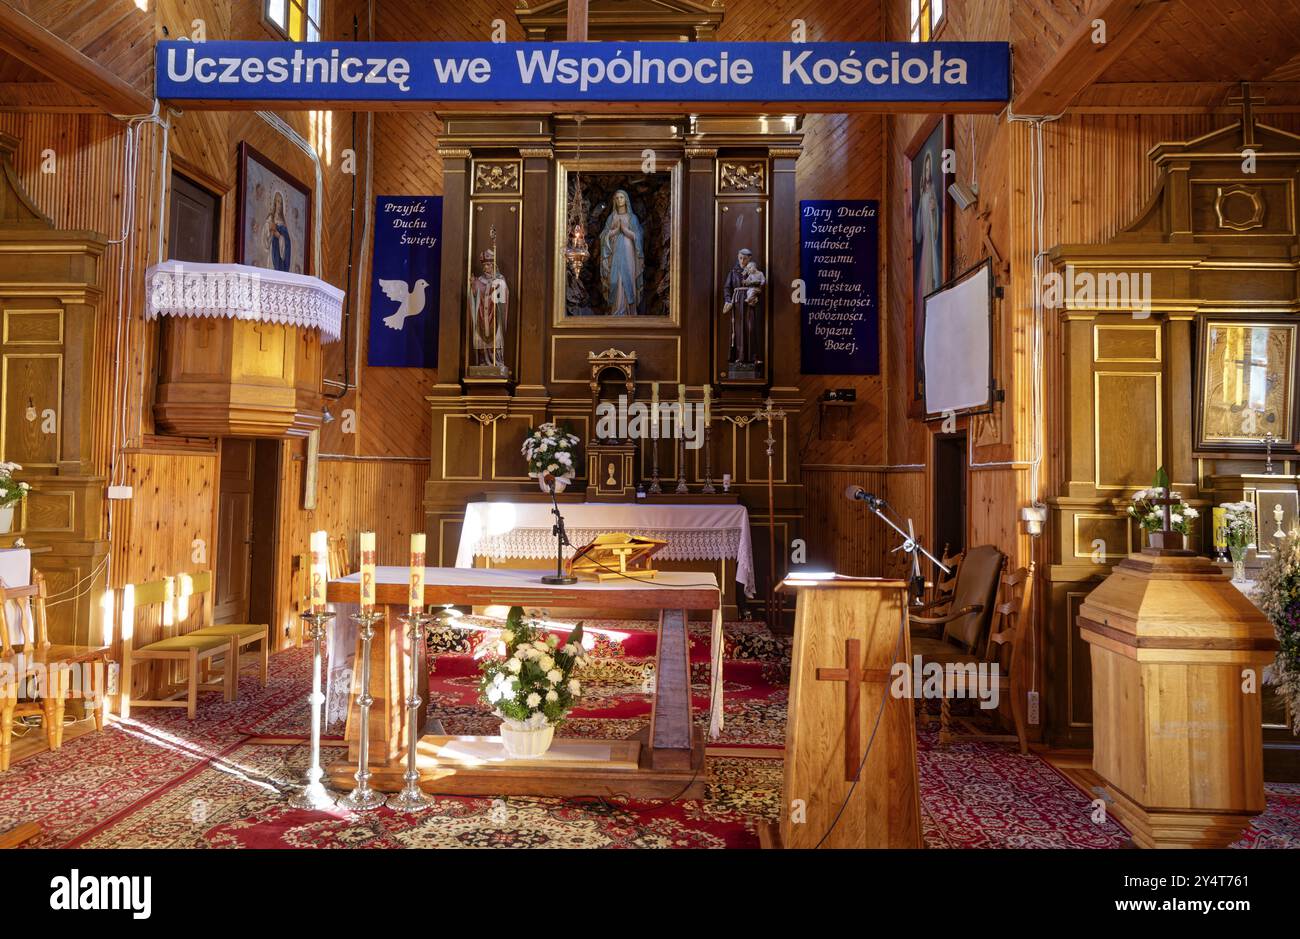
(53, 381)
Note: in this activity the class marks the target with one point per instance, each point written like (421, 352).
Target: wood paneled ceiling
(1196, 53)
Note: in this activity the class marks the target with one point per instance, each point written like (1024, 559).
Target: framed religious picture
(273, 221)
(931, 227)
(618, 229)
(1245, 384)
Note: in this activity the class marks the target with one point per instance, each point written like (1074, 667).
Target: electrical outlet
(119, 492)
(1034, 715)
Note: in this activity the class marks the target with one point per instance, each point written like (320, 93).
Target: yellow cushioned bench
(244, 634)
(198, 653)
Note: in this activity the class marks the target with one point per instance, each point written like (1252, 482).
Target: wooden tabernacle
(664, 761)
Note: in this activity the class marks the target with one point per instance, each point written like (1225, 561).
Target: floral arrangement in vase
(549, 450)
(530, 683)
(1152, 517)
(12, 492)
(1278, 595)
(1238, 533)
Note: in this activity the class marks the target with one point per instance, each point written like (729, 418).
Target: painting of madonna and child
(629, 232)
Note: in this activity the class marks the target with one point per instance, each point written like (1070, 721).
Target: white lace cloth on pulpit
(238, 291)
(504, 530)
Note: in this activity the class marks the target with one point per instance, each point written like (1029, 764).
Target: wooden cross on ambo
(853, 675)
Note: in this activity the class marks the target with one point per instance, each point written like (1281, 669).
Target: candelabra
(655, 488)
(362, 798)
(411, 799)
(708, 460)
(315, 795)
(681, 464)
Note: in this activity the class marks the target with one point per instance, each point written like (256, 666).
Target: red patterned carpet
(219, 781)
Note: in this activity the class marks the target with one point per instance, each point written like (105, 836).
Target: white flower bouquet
(1152, 517)
(530, 683)
(11, 490)
(549, 449)
(1238, 523)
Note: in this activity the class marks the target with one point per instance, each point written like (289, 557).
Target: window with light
(298, 20)
(927, 17)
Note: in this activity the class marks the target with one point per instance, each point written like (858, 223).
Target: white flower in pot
(12, 492)
(530, 684)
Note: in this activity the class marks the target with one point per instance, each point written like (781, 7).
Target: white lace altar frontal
(505, 530)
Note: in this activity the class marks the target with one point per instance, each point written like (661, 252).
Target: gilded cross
(853, 674)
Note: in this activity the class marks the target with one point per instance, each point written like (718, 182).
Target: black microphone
(856, 493)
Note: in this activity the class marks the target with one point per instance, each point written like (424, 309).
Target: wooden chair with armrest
(1008, 649)
(51, 664)
(944, 584)
(340, 565)
(198, 655)
(244, 634)
(963, 629)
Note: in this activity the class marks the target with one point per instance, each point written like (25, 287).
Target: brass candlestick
(708, 460)
(314, 795)
(770, 413)
(411, 798)
(363, 798)
(655, 488)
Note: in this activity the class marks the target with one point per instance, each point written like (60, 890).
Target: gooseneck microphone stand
(910, 543)
(561, 540)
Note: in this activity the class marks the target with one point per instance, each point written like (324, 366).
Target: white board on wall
(957, 356)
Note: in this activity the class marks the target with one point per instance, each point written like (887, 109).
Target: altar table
(665, 761)
(522, 530)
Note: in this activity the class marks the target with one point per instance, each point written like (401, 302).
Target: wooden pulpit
(850, 746)
(1178, 659)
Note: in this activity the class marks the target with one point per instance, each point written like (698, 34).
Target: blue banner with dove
(405, 282)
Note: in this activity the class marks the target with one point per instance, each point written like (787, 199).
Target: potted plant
(549, 451)
(12, 492)
(1238, 533)
(530, 683)
(1152, 517)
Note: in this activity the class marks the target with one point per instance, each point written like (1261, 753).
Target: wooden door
(234, 531)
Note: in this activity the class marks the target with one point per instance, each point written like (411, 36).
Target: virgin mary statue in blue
(622, 260)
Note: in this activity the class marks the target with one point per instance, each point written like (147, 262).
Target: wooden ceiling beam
(1079, 61)
(29, 41)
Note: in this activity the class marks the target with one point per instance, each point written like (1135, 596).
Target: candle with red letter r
(367, 570)
(417, 572)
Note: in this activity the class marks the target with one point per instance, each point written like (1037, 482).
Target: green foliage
(531, 680)
(1279, 597)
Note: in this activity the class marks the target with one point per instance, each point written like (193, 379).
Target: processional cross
(854, 676)
(769, 413)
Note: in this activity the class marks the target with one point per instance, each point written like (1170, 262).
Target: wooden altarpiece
(1217, 243)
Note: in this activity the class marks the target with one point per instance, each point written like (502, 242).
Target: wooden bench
(52, 664)
(199, 654)
(244, 634)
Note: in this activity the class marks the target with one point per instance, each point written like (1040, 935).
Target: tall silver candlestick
(315, 796)
(655, 488)
(681, 463)
(362, 798)
(411, 799)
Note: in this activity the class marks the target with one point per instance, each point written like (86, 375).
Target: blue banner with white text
(812, 72)
(404, 285)
(840, 314)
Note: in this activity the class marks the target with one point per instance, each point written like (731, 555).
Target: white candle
(320, 569)
(417, 571)
(708, 401)
(367, 570)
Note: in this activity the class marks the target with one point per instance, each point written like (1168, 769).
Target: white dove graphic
(410, 300)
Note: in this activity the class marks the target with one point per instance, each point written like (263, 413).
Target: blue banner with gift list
(405, 282)
(839, 316)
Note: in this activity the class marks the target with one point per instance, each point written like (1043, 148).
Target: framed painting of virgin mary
(931, 226)
(273, 223)
(628, 221)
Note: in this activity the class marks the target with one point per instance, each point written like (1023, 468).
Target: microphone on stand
(857, 494)
(561, 538)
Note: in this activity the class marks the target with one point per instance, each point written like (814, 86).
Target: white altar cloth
(15, 571)
(504, 530)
